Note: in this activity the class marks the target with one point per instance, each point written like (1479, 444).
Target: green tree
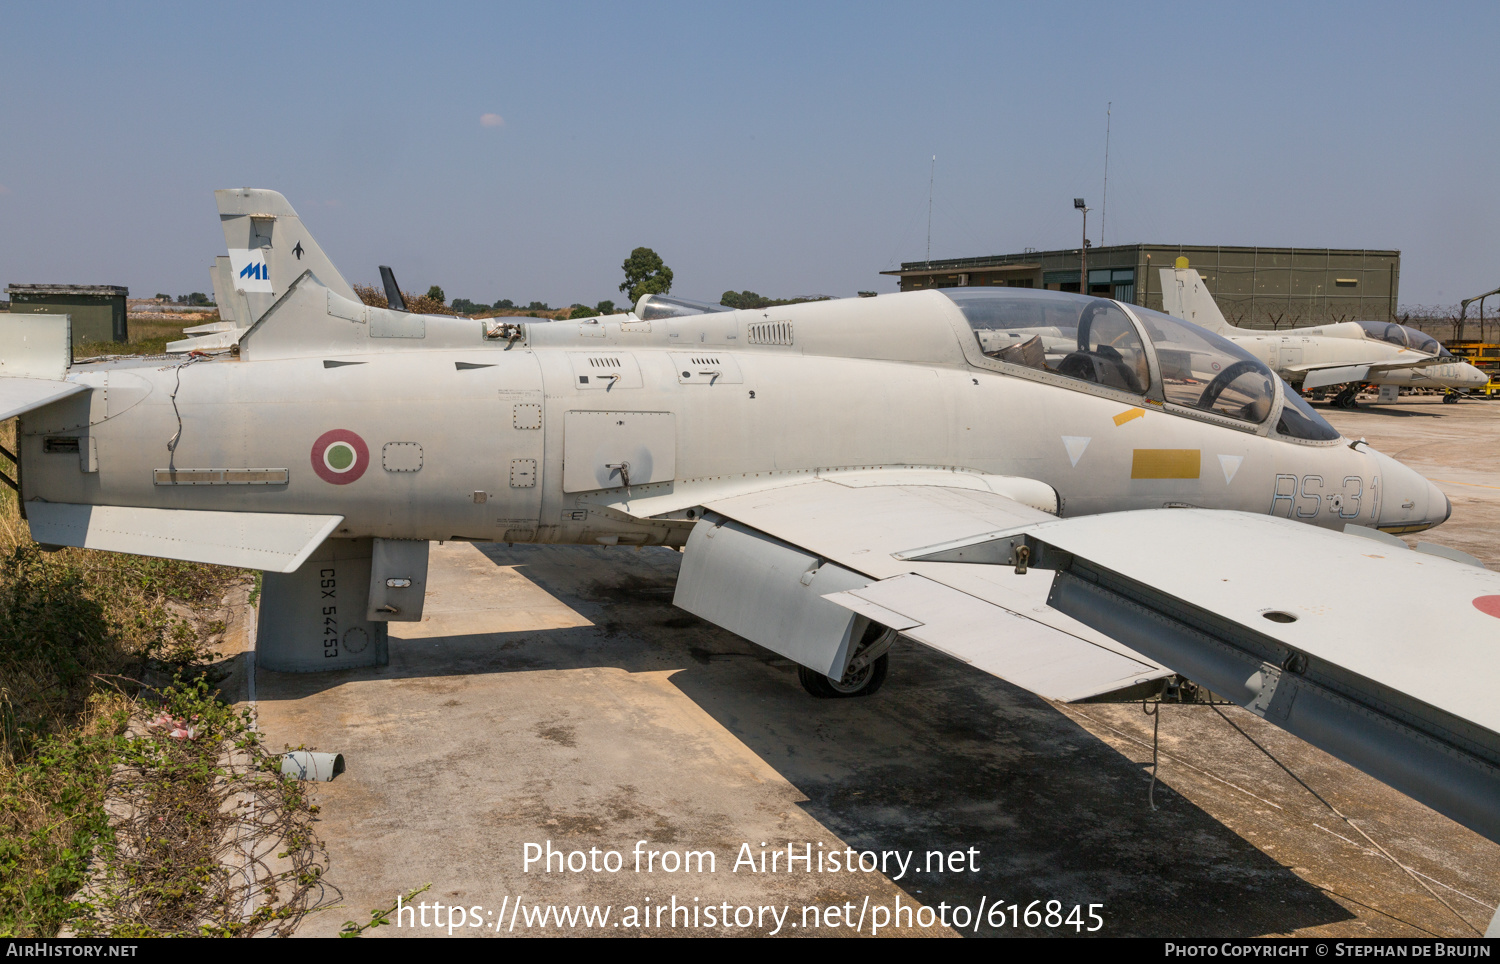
(605, 307)
(645, 274)
(436, 294)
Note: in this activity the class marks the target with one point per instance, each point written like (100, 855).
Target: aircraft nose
(1436, 498)
(1473, 376)
(1410, 502)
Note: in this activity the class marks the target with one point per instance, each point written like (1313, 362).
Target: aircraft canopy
(1095, 340)
(1403, 336)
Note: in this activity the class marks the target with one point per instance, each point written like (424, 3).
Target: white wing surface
(1383, 656)
(858, 525)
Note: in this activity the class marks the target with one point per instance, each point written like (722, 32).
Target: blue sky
(783, 148)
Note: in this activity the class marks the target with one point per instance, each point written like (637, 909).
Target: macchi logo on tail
(251, 273)
(340, 456)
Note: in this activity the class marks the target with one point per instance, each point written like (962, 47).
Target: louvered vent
(705, 360)
(771, 333)
(603, 362)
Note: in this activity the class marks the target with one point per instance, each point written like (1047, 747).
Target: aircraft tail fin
(1183, 295)
(269, 249)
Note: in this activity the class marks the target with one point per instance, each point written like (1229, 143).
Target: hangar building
(98, 310)
(1254, 287)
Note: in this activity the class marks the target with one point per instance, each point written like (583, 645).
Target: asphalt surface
(553, 694)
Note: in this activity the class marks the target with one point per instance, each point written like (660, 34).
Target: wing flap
(274, 542)
(1043, 659)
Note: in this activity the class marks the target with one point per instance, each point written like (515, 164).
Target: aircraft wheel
(1450, 399)
(863, 683)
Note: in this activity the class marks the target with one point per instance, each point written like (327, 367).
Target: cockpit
(657, 307)
(1402, 336)
(1097, 340)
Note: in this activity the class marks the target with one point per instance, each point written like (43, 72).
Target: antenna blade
(393, 299)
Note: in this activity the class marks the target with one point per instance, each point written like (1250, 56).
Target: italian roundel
(340, 456)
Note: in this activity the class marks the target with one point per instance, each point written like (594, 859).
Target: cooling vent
(603, 362)
(705, 360)
(771, 333)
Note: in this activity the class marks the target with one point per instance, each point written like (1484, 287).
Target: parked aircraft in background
(1081, 496)
(1350, 354)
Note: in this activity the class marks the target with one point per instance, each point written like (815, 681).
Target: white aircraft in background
(1077, 495)
(1350, 353)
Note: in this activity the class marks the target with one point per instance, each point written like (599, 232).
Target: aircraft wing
(271, 541)
(751, 576)
(1293, 622)
(1321, 376)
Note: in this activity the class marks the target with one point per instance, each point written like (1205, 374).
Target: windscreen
(1089, 339)
(1299, 420)
(1204, 371)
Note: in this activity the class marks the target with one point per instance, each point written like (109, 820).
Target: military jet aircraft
(1152, 503)
(1350, 353)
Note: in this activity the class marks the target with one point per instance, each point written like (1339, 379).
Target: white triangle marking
(1230, 464)
(1075, 444)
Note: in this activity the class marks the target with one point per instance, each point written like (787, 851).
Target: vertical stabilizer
(230, 301)
(268, 250)
(1183, 295)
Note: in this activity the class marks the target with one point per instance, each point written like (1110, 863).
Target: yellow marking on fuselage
(1129, 414)
(1165, 464)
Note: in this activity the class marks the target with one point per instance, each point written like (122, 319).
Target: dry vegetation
(148, 336)
(421, 304)
(90, 796)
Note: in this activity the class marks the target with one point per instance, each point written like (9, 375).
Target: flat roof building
(98, 311)
(1254, 287)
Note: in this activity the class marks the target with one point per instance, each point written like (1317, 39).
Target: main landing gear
(1345, 398)
(866, 671)
(1451, 398)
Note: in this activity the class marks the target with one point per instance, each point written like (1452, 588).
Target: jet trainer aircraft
(1351, 353)
(1152, 503)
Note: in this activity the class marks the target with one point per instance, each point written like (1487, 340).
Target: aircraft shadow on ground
(943, 758)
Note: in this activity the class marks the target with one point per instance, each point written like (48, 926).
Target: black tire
(1450, 399)
(826, 689)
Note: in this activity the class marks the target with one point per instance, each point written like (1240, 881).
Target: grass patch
(77, 628)
(148, 336)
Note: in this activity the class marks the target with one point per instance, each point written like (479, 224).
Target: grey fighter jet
(1078, 495)
(1348, 354)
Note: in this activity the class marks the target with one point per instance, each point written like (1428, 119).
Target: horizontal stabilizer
(18, 395)
(274, 542)
(211, 341)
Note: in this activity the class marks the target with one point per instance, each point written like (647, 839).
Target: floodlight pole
(1083, 249)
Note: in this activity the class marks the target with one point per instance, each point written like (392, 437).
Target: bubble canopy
(1095, 340)
(1389, 331)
